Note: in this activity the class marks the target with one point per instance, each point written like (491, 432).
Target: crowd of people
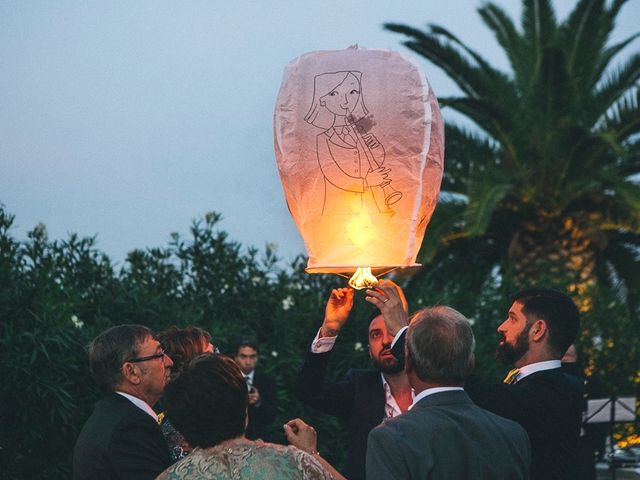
(420, 413)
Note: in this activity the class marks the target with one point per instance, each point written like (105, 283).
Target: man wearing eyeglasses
(122, 438)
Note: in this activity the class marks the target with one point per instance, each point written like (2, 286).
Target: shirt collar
(249, 376)
(537, 367)
(141, 404)
(431, 391)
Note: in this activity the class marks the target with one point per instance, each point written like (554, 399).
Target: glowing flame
(363, 278)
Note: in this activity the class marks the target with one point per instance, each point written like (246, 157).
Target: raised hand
(390, 300)
(301, 435)
(337, 311)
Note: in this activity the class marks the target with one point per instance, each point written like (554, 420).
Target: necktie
(512, 376)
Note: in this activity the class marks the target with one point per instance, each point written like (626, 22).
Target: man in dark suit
(363, 398)
(122, 438)
(262, 390)
(444, 435)
(547, 402)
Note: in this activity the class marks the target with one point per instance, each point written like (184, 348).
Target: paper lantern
(359, 143)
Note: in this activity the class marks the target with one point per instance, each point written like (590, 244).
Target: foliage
(549, 178)
(55, 296)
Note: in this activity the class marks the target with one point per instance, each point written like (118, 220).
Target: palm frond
(446, 221)
(586, 34)
(538, 25)
(629, 163)
(486, 190)
(617, 84)
(622, 254)
(607, 55)
(448, 56)
(486, 115)
(464, 150)
(623, 119)
(494, 76)
(510, 39)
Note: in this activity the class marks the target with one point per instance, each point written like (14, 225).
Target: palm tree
(545, 188)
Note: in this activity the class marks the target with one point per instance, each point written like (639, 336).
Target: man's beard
(509, 354)
(388, 365)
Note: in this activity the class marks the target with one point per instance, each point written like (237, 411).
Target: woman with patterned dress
(207, 403)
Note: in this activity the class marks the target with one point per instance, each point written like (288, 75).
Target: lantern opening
(363, 278)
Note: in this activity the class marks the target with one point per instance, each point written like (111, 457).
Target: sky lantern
(359, 142)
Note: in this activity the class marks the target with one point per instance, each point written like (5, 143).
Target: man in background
(262, 390)
(122, 438)
(444, 435)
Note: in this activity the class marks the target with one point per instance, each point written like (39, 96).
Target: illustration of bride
(351, 158)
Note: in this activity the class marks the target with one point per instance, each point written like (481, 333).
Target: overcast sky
(129, 119)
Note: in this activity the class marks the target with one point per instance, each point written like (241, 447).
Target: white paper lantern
(359, 142)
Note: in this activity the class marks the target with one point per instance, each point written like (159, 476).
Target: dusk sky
(129, 119)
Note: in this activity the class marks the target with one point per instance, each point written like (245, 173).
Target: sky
(129, 120)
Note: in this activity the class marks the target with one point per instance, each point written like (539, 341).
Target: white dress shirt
(141, 404)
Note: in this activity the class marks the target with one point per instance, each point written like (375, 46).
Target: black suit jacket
(119, 441)
(261, 416)
(547, 404)
(446, 436)
(358, 398)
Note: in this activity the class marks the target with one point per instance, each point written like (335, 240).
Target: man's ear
(408, 362)
(538, 330)
(472, 364)
(130, 373)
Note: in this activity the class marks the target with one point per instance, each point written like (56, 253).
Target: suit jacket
(119, 441)
(358, 398)
(260, 417)
(548, 404)
(446, 436)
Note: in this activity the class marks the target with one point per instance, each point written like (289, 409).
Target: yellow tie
(512, 376)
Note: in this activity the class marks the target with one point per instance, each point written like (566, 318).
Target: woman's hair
(208, 400)
(318, 115)
(182, 344)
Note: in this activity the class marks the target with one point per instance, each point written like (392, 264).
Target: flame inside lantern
(363, 278)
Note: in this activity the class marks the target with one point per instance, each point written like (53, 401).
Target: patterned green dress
(247, 461)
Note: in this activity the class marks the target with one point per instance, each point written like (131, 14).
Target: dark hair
(208, 401)
(182, 344)
(247, 342)
(109, 350)
(440, 345)
(557, 310)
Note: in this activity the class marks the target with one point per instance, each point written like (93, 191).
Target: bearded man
(537, 394)
(363, 398)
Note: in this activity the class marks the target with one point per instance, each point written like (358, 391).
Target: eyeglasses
(150, 357)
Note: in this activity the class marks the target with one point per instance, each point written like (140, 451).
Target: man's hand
(390, 300)
(337, 311)
(301, 435)
(254, 396)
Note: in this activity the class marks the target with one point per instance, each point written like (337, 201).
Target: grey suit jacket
(446, 436)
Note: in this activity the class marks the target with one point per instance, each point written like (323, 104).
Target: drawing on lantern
(350, 156)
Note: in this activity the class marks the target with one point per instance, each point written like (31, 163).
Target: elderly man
(122, 438)
(364, 397)
(444, 435)
(537, 394)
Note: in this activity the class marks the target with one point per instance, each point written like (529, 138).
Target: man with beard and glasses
(537, 393)
(363, 398)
